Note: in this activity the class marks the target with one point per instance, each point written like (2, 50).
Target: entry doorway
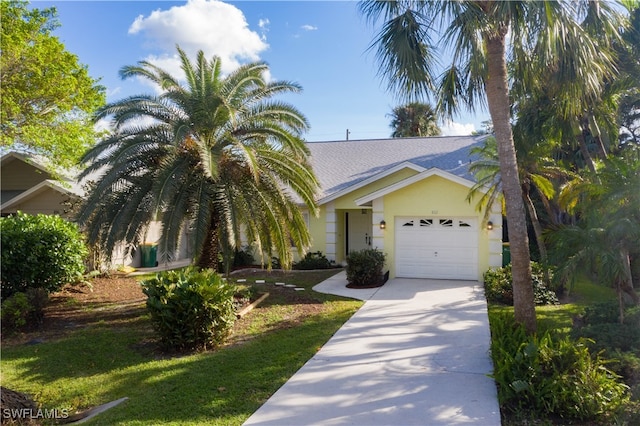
(358, 230)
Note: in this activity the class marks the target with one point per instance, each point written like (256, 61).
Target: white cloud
(450, 128)
(309, 27)
(212, 26)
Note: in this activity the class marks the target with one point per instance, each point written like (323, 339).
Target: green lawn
(106, 362)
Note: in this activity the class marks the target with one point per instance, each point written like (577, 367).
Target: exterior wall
(438, 197)
(46, 202)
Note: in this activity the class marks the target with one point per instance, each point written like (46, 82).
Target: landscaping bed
(97, 345)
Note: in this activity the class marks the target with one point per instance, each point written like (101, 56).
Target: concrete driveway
(416, 353)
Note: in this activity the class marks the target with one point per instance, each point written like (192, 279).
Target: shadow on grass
(98, 365)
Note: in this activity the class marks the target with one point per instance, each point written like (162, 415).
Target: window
(447, 223)
(410, 223)
(426, 222)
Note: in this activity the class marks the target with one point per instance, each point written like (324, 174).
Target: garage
(436, 247)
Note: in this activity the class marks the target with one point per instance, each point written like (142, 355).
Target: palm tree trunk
(499, 108)
(209, 254)
(537, 228)
(582, 141)
(627, 284)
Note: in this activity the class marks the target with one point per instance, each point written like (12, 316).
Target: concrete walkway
(416, 353)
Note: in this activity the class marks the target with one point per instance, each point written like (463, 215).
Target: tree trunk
(499, 108)
(627, 283)
(209, 254)
(537, 229)
(582, 140)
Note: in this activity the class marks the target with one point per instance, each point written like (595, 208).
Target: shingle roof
(341, 164)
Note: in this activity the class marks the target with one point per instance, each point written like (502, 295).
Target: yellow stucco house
(408, 198)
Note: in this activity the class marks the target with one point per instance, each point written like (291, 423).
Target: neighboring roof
(343, 166)
(39, 189)
(62, 180)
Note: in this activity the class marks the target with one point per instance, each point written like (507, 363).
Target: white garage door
(437, 247)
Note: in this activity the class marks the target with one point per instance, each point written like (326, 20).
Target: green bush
(313, 260)
(243, 257)
(15, 311)
(498, 286)
(23, 309)
(189, 309)
(551, 375)
(39, 251)
(365, 268)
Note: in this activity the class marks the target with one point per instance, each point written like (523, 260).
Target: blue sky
(321, 45)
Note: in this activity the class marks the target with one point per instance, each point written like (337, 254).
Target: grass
(109, 361)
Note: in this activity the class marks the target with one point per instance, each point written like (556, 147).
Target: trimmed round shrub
(190, 309)
(41, 251)
(365, 268)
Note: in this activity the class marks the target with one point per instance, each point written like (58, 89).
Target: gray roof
(342, 164)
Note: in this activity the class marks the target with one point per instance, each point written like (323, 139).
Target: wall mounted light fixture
(489, 225)
(383, 224)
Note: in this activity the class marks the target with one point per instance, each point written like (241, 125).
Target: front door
(358, 230)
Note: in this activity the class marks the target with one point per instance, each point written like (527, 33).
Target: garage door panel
(439, 248)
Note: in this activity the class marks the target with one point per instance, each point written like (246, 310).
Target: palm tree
(539, 175)
(479, 36)
(607, 234)
(216, 156)
(414, 119)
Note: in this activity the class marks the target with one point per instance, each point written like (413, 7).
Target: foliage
(47, 96)
(601, 324)
(212, 156)
(15, 311)
(243, 257)
(23, 309)
(190, 310)
(313, 260)
(498, 286)
(217, 388)
(551, 375)
(607, 201)
(414, 119)
(39, 251)
(365, 268)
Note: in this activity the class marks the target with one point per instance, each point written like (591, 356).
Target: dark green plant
(40, 251)
(190, 310)
(243, 257)
(15, 312)
(313, 260)
(498, 286)
(24, 309)
(553, 375)
(365, 268)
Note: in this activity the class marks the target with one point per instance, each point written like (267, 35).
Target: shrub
(498, 286)
(39, 251)
(190, 309)
(365, 268)
(313, 260)
(551, 375)
(23, 309)
(243, 257)
(15, 311)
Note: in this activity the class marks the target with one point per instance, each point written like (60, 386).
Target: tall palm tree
(479, 36)
(215, 154)
(606, 237)
(414, 119)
